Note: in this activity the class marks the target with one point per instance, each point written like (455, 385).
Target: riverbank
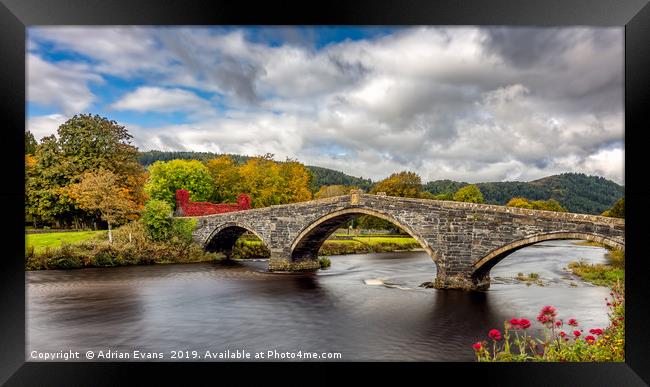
(131, 246)
(609, 274)
(249, 248)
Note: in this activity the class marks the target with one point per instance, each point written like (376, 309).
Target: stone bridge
(465, 240)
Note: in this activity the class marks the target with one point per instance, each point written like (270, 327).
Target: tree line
(90, 175)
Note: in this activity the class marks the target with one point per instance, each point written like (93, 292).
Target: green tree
(617, 210)
(167, 177)
(157, 219)
(30, 143)
(404, 184)
(470, 193)
(99, 191)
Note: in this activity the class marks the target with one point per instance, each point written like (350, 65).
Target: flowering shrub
(515, 344)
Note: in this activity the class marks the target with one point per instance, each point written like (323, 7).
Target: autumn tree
(226, 180)
(520, 203)
(99, 191)
(269, 182)
(404, 184)
(167, 177)
(548, 205)
(328, 191)
(469, 193)
(85, 143)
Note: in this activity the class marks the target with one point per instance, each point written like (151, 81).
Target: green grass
(54, 239)
(601, 275)
(372, 240)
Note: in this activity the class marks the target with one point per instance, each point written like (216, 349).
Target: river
(218, 307)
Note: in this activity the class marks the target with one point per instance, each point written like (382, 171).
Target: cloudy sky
(471, 104)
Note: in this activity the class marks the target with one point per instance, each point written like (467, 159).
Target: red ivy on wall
(185, 207)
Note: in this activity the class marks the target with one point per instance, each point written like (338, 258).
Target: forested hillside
(576, 192)
(325, 176)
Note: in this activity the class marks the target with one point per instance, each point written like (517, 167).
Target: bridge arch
(310, 239)
(223, 238)
(482, 267)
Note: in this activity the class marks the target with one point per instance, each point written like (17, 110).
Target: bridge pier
(284, 263)
(463, 281)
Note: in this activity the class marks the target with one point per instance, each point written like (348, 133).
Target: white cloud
(156, 99)
(43, 126)
(473, 104)
(63, 85)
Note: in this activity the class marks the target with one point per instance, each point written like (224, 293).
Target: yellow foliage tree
(404, 184)
(99, 191)
(328, 191)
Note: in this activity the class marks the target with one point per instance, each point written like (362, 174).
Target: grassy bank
(247, 248)
(40, 242)
(131, 246)
(609, 274)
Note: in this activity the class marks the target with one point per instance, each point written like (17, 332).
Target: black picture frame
(16, 15)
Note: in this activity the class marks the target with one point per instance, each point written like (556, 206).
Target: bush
(63, 258)
(157, 219)
(324, 262)
(182, 229)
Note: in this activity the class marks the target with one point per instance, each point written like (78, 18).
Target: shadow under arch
(306, 245)
(223, 238)
(482, 267)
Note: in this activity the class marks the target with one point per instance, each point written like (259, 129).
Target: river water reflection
(239, 306)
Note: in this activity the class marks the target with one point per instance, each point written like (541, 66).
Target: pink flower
(573, 322)
(524, 323)
(576, 333)
(494, 334)
(477, 346)
(549, 310)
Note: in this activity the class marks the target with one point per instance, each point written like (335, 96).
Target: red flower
(514, 322)
(477, 346)
(542, 318)
(524, 323)
(562, 334)
(558, 323)
(576, 333)
(590, 339)
(548, 310)
(494, 334)
(609, 304)
(573, 322)
(596, 331)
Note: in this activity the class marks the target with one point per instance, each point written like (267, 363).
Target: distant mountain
(576, 192)
(150, 157)
(325, 176)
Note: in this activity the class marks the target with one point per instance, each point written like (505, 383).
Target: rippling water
(239, 306)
